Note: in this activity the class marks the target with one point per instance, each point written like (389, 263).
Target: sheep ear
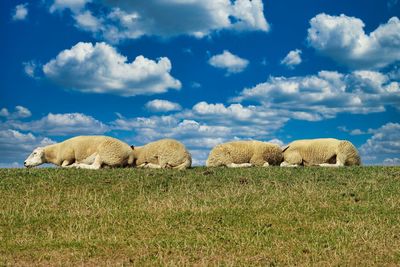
(284, 148)
(133, 147)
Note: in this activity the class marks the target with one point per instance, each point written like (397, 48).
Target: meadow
(229, 217)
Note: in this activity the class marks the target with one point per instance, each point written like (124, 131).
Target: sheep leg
(292, 159)
(266, 164)
(151, 166)
(241, 165)
(94, 166)
(141, 165)
(87, 166)
(66, 164)
(327, 165)
(286, 164)
(73, 165)
(337, 164)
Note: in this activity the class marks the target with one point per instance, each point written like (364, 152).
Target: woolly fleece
(164, 153)
(323, 151)
(91, 152)
(256, 153)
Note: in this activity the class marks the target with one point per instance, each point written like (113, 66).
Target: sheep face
(36, 158)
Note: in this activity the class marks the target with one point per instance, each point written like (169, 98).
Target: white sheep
(164, 153)
(244, 154)
(87, 152)
(327, 152)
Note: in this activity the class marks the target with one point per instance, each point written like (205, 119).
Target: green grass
(256, 216)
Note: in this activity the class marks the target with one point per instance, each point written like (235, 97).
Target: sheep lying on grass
(164, 153)
(327, 152)
(87, 152)
(245, 154)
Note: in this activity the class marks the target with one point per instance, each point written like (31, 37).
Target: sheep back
(238, 152)
(323, 150)
(112, 151)
(164, 152)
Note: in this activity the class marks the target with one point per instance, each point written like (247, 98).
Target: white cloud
(292, 59)
(87, 21)
(121, 20)
(391, 161)
(15, 146)
(14, 164)
(22, 112)
(195, 85)
(20, 12)
(343, 39)
(357, 132)
(316, 97)
(199, 128)
(204, 126)
(276, 141)
(100, 68)
(383, 145)
(4, 112)
(63, 124)
(354, 131)
(19, 113)
(19, 137)
(236, 111)
(228, 61)
(159, 105)
(30, 68)
(73, 5)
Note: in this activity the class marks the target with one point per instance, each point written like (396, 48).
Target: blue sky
(201, 71)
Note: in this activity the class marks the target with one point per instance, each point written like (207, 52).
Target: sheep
(326, 152)
(164, 153)
(87, 152)
(244, 154)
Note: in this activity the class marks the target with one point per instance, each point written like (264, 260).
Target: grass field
(255, 216)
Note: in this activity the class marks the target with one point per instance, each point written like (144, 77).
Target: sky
(201, 71)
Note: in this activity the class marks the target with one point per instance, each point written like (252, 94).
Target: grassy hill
(255, 216)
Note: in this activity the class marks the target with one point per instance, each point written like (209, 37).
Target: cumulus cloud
(100, 68)
(63, 124)
(20, 112)
(292, 59)
(15, 146)
(20, 12)
(357, 132)
(18, 137)
(384, 145)
(228, 61)
(391, 162)
(119, 20)
(73, 5)
(317, 97)
(343, 39)
(204, 126)
(86, 21)
(159, 105)
(200, 128)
